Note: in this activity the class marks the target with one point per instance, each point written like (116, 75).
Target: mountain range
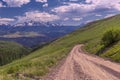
(33, 33)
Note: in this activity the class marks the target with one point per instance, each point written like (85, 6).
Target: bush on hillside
(110, 37)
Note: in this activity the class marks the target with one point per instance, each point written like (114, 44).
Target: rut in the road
(81, 66)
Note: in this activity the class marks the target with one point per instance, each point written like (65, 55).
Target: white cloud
(109, 15)
(37, 16)
(65, 19)
(74, 0)
(6, 20)
(42, 1)
(1, 4)
(98, 15)
(111, 4)
(74, 6)
(89, 6)
(89, 21)
(87, 9)
(16, 3)
(45, 5)
(77, 19)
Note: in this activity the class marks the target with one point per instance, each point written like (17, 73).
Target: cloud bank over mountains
(66, 12)
(37, 16)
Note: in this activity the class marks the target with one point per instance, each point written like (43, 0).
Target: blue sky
(66, 12)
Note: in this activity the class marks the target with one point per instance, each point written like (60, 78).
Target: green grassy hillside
(39, 62)
(10, 51)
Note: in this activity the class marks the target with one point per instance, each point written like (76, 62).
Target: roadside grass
(39, 62)
(113, 52)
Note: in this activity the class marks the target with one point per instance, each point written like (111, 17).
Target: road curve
(81, 66)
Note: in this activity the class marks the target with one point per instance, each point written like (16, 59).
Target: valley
(31, 36)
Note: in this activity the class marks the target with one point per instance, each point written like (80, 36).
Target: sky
(65, 12)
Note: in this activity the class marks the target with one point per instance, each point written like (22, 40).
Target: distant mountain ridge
(35, 23)
(31, 23)
(32, 33)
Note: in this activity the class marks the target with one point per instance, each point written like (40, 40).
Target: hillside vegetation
(10, 51)
(38, 63)
(110, 37)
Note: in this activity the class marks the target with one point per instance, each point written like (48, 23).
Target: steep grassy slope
(39, 62)
(10, 51)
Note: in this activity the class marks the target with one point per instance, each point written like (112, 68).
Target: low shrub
(110, 37)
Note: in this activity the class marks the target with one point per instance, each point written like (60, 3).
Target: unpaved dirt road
(81, 66)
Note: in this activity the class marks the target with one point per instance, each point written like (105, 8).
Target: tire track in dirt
(81, 66)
